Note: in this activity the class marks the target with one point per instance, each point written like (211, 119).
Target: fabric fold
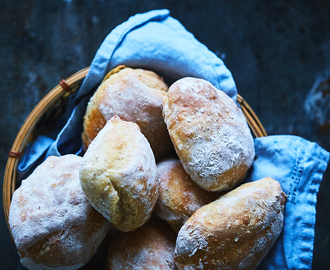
(299, 166)
(101, 62)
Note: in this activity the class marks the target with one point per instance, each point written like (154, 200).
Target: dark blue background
(277, 51)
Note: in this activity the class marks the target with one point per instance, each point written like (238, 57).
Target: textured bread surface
(135, 95)
(234, 232)
(179, 197)
(118, 175)
(149, 247)
(209, 132)
(52, 223)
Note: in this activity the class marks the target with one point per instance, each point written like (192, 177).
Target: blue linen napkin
(156, 41)
(299, 166)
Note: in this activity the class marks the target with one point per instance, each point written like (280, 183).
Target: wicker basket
(49, 108)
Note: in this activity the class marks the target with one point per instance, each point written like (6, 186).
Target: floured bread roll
(234, 232)
(118, 175)
(135, 95)
(179, 197)
(51, 221)
(149, 247)
(209, 133)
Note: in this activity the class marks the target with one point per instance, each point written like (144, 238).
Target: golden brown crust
(149, 247)
(135, 95)
(52, 223)
(118, 175)
(234, 232)
(179, 197)
(94, 121)
(209, 133)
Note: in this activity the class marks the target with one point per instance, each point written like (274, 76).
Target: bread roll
(179, 197)
(51, 221)
(209, 133)
(118, 175)
(149, 247)
(135, 95)
(234, 232)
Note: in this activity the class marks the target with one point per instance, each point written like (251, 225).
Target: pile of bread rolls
(161, 176)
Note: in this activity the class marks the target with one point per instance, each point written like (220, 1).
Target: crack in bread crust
(118, 175)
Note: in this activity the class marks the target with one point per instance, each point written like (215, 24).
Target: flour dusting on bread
(179, 197)
(134, 95)
(234, 232)
(50, 214)
(209, 133)
(118, 175)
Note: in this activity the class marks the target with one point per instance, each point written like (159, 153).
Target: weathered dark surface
(277, 52)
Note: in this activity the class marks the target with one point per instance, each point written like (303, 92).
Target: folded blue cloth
(299, 166)
(158, 42)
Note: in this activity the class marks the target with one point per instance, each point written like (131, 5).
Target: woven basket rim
(57, 92)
